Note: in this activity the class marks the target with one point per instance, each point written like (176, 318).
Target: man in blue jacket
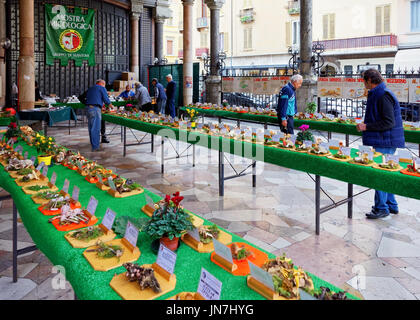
(383, 130)
(170, 93)
(287, 105)
(95, 98)
(160, 96)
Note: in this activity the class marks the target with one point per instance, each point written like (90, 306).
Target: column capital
(161, 13)
(135, 15)
(187, 2)
(214, 4)
(136, 7)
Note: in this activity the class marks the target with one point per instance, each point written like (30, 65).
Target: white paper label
(222, 251)
(53, 178)
(111, 183)
(93, 203)
(404, 154)
(370, 155)
(417, 161)
(26, 155)
(307, 143)
(75, 194)
(334, 143)
(325, 145)
(108, 219)
(10, 142)
(40, 166)
(194, 234)
(262, 276)
(66, 187)
(18, 148)
(293, 138)
(392, 157)
(209, 287)
(364, 149)
(45, 171)
(276, 138)
(33, 159)
(131, 234)
(358, 121)
(346, 151)
(330, 116)
(166, 259)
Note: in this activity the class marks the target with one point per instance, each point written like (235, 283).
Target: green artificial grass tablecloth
(393, 182)
(90, 284)
(328, 126)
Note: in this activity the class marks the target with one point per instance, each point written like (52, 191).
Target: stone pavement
(381, 259)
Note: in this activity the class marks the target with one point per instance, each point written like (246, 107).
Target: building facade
(258, 34)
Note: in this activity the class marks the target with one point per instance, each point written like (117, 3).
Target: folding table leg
(317, 204)
(350, 203)
(162, 164)
(14, 243)
(221, 174)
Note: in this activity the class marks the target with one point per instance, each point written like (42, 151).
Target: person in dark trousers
(144, 102)
(383, 130)
(104, 139)
(170, 93)
(38, 96)
(160, 96)
(96, 97)
(287, 105)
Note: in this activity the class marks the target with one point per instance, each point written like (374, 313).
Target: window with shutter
(288, 33)
(378, 20)
(325, 26)
(387, 19)
(332, 26)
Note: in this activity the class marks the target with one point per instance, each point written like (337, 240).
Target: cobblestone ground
(379, 258)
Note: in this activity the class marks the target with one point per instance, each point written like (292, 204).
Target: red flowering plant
(169, 219)
(13, 131)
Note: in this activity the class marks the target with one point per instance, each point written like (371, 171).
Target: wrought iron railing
(362, 42)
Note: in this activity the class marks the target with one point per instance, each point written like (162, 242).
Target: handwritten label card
(45, 171)
(93, 203)
(358, 121)
(108, 219)
(75, 194)
(276, 138)
(293, 138)
(53, 178)
(40, 166)
(18, 148)
(33, 159)
(324, 145)
(260, 275)
(365, 149)
(131, 234)
(392, 157)
(25, 156)
(222, 251)
(209, 287)
(194, 234)
(334, 143)
(66, 186)
(307, 143)
(370, 155)
(404, 154)
(346, 151)
(166, 259)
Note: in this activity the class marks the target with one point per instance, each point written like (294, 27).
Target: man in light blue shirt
(127, 94)
(287, 106)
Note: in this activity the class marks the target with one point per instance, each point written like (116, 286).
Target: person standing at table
(287, 105)
(170, 94)
(144, 102)
(127, 94)
(383, 130)
(160, 96)
(38, 95)
(96, 97)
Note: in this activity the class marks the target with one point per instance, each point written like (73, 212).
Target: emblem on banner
(71, 40)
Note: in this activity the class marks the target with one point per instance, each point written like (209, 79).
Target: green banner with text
(69, 35)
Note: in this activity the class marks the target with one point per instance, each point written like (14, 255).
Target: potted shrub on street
(169, 222)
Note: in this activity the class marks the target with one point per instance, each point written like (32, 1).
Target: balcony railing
(363, 42)
(293, 7)
(199, 52)
(202, 23)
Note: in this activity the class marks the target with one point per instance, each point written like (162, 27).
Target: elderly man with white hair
(144, 102)
(287, 106)
(170, 93)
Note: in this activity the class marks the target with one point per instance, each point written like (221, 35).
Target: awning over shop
(407, 59)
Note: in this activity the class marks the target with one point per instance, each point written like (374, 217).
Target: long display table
(90, 284)
(328, 126)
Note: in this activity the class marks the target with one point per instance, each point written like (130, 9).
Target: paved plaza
(379, 258)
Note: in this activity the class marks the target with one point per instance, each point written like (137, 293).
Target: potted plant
(169, 221)
(192, 113)
(304, 134)
(45, 147)
(13, 131)
(311, 108)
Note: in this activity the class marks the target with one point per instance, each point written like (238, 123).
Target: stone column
(2, 53)
(135, 49)
(213, 82)
(188, 51)
(159, 22)
(26, 67)
(307, 93)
